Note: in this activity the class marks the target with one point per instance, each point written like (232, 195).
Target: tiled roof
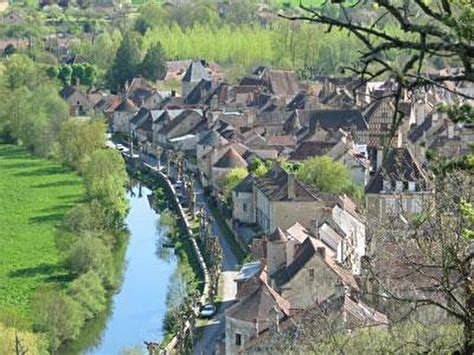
(231, 159)
(246, 185)
(258, 305)
(310, 149)
(298, 232)
(398, 165)
(307, 250)
(195, 72)
(336, 119)
(275, 186)
(210, 138)
(127, 105)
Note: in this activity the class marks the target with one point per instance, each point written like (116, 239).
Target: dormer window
(386, 186)
(411, 186)
(398, 186)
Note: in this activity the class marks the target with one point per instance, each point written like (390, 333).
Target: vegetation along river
(151, 284)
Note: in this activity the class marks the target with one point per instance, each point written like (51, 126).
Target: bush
(88, 291)
(58, 315)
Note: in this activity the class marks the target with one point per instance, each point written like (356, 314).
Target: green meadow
(34, 196)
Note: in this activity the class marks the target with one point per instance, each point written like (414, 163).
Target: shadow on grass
(53, 217)
(58, 208)
(44, 171)
(42, 269)
(58, 184)
(28, 164)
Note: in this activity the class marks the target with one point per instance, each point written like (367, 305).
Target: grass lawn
(34, 196)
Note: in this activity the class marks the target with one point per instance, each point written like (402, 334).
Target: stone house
(281, 200)
(122, 116)
(342, 312)
(242, 201)
(262, 308)
(195, 73)
(186, 122)
(78, 101)
(399, 186)
(230, 160)
(311, 276)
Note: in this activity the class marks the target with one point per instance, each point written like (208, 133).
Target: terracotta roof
(231, 159)
(298, 232)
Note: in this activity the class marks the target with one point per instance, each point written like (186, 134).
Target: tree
(105, 178)
(58, 316)
(52, 72)
(153, 66)
(20, 71)
(231, 180)
(91, 253)
(73, 150)
(87, 290)
(126, 63)
(260, 167)
(420, 32)
(325, 174)
(65, 75)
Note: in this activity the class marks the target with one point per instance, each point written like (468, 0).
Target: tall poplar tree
(153, 66)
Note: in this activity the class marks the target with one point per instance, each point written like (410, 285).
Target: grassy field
(34, 196)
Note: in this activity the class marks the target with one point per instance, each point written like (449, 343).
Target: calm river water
(137, 311)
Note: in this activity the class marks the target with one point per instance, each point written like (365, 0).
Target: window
(244, 207)
(311, 273)
(238, 339)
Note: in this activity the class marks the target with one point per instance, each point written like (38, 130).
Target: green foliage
(20, 71)
(153, 66)
(89, 253)
(105, 178)
(86, 218)
(126, 63)
(12, 338)
(52, 72)
(87, 290)
(169, 221)
(65, 75)
(327, 175)
(73, 149)
(58, 315)
(260, 167)
(35, 194)
(232, 179)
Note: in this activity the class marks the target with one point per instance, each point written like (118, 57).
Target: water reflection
(151, 279)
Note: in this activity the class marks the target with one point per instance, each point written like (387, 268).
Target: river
(137, 310)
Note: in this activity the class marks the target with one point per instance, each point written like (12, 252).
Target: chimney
(379, 158)
(322, 251)
(255, 322)
(173, 93)
(291, 187)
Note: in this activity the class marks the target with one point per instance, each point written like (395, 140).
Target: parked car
(208, 311)
(179, 184)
